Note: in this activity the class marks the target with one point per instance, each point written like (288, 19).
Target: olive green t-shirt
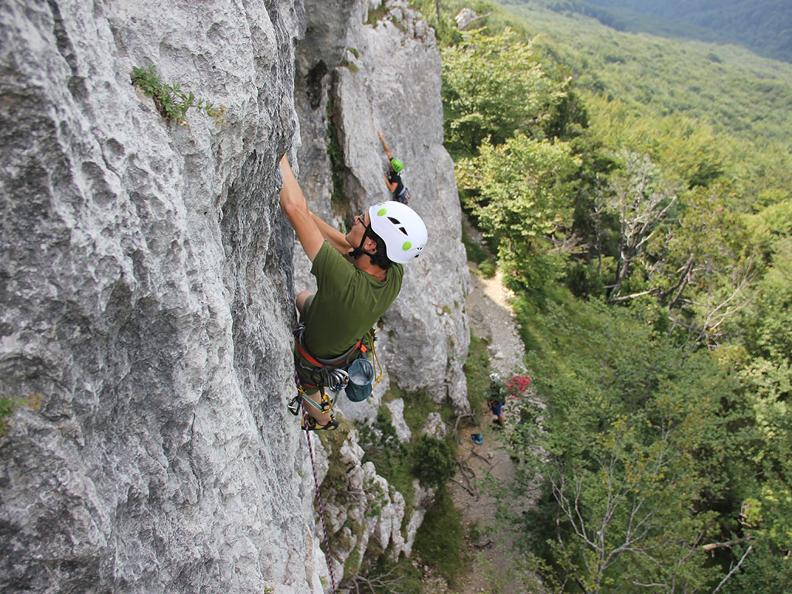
(348, 302)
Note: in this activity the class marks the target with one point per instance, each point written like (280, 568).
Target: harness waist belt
(334, 362)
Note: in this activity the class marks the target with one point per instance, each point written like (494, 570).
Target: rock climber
(496, 400)
(393, 177)
(358, 274)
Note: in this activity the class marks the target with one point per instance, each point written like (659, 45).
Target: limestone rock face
(396, 408)
(145, 309)
(147, 279)
(364, 513)
(387, 79)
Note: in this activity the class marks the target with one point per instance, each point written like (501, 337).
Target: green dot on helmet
(406, 245)
(381, 212)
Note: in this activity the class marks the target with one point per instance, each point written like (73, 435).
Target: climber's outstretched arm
(333, 235)
(385, 146)
(292, 201)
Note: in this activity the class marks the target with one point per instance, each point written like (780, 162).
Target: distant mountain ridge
(764, 26)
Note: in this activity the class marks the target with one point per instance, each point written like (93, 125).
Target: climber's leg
(313, 406)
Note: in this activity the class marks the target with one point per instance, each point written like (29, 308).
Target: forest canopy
(760, 25)
(635, 191)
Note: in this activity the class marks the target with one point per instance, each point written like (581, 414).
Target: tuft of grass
(487, 268)
(376, 15)
(170, 100)
(8, 404)
(440, 541)
(477, 371)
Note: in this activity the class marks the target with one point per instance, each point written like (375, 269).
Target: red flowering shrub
(517, 385)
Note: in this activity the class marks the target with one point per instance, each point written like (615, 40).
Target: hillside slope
(762, 26)
(730, 87)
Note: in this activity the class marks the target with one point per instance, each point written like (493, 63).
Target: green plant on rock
(9, 404)
(170, 100)
(487, 269)
(477, 370)
(433, 461)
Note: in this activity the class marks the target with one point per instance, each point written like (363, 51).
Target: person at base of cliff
(496, 400)
(358, 274)
(393, 177)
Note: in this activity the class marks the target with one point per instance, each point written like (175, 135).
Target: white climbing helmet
(400, 227)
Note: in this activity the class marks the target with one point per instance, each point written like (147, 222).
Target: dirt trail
(491, 570)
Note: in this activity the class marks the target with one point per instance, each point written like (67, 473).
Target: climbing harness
(318, 497)
(333, 375)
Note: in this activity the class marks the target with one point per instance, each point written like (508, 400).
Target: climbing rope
(377, 363)
(321, 505)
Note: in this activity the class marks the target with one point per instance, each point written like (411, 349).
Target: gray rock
(396, 408)
(423, 501)
(364, 512)
(145, 312)
(435, 427)
(464, 17)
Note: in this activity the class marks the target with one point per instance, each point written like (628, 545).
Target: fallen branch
(469, 490)
(734, 569)
(723, 545)
(633, 296)
(458, 419)
(477, 455)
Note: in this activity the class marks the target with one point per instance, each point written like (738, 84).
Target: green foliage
(475, 250)
(417, 407)
(764, 570)
(480, 254)
(392, 459)
(386, 576)
(433, 461)
(487, 269)
(760, 25)
(375, 15)
(635, 434)
(743, 94)
(675, 202)
(520, 193)
(477, 370)
(767, 374)
(494, 86)
(9, 404)
(442, 21)
(440, 539)
(170, 100)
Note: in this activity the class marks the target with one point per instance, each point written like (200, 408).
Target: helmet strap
(359, 251)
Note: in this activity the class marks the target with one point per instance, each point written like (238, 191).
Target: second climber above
(393, 178)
